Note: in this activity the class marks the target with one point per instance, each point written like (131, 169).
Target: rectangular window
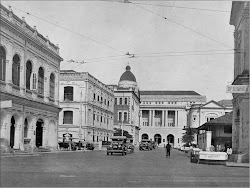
(68, 117)
(120, 116)
(101, 118)
(126, 101)
(115, 100)
(125, 116)
(227, 129)
(120, 100)
(94, 117)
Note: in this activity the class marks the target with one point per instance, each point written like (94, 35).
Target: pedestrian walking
(168, 148)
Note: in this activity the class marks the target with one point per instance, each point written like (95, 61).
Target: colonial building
(217, 133)
(164, 115)
(240, 20)
(127, 104)
(87, 107)
(202, 113)
(29, 85)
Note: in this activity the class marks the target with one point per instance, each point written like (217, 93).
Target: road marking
(67, 176)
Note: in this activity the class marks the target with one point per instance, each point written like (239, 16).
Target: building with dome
(127, 104)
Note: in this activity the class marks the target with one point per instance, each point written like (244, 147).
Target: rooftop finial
(34, 27)
(47, 37)
(10, 8)
(23, 18)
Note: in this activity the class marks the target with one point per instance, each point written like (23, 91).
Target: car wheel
(107, 153)
(111, 153)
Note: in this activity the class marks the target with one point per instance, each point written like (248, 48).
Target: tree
(188, 136)
(118, 132)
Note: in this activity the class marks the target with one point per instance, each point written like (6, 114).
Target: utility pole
(122, 113)
(80, 127)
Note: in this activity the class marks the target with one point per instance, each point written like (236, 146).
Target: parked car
(145, 145)
(153, 143)
(118, 145)
(90, 146)
(130, 146)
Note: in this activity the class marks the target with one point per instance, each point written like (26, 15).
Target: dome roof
(128, 75)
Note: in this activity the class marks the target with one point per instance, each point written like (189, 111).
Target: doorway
(39, 133)
(157, 138)
(12, 132)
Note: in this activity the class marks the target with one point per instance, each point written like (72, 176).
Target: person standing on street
(168, 148)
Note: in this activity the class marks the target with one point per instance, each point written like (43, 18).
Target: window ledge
(51, 99)
(40, 95)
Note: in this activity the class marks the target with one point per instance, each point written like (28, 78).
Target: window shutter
(34, 81)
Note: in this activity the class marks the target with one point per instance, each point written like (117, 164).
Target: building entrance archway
(144, 136)
(39, 133)
(170, 139)
(12, 132)
(157, 138)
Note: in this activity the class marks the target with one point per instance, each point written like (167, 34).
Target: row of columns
(31, 134)
(164, 118)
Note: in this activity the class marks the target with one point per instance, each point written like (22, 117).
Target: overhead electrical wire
(93, 40)
(183, 7)
(180, 24)
(149, 55)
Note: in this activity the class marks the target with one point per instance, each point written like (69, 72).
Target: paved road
(95, 168)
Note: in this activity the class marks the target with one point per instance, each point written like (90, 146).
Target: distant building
(240, 19)
(202, 113)
(29, 80)
(164, 115)
(127, 104)
(217, 133)
(87, 108)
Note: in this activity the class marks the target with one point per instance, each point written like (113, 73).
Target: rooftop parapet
(21, 24)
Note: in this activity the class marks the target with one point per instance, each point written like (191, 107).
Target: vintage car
(130, 146)
(145, 145)
(118, 145)
(153, 143)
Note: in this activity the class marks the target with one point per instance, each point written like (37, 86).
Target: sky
(168, 53)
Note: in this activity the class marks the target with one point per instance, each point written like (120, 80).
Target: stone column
(176, 118)
(4, 130)
(162, 118)
(153, 118)
(17, 137)
(208, 139)
(150, 118)
(166, 119)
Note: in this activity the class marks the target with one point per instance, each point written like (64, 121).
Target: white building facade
(87, 107)
(127, 104)
(164, 115)
(202, 113)
(29, 82)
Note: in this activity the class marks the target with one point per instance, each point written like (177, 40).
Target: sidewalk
(41, 153)
(234, 164)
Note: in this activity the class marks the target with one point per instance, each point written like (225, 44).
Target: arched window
(68, 117)
(68, 93)
(16, 70)
(144, 136)
(41, 81)
(25, 129)
(52, 86)
(2, 63)
(28, 74)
